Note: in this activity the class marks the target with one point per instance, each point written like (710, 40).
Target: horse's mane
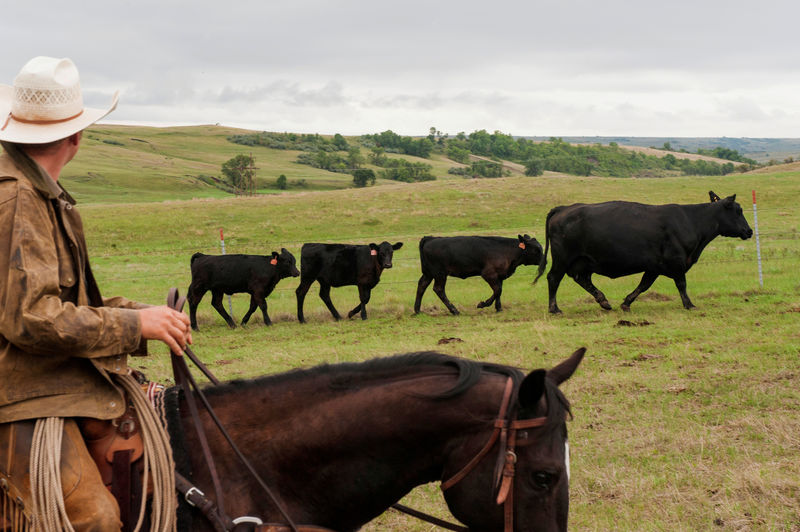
(352, 375)
(349, 375)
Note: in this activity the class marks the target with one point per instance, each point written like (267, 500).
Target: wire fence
(772, 251)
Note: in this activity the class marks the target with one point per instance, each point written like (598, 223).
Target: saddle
(116, 446)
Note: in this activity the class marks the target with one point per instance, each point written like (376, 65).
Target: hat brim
(41, 133)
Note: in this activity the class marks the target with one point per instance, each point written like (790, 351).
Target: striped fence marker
(758, 242)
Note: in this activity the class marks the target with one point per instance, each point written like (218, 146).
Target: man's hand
(168, 325)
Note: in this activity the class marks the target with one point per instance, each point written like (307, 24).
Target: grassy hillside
(684, 420)
(140, 164)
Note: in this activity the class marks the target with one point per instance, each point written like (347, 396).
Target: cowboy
(63, 347)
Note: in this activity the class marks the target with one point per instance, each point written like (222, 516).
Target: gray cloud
(353, 66)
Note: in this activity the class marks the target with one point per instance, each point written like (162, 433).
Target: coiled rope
(49, 514)
(157, 460)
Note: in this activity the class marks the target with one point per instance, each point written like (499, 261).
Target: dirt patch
(627, 323)
(655, 296)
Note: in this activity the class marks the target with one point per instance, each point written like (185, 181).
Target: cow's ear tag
(274, 262)
(373, 252)
(522, 245)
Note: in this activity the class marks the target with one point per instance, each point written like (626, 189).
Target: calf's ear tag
(274, 262)
(373, 252)
(522, 245)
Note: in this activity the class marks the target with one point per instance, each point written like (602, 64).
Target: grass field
(683, 420)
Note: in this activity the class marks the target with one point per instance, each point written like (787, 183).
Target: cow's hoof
(454, 312)
(605, 305)
(556, 311)
(481, 304)
(625, 308)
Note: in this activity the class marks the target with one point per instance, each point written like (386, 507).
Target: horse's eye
(542, 479)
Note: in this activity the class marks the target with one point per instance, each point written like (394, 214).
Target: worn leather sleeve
(32, 315)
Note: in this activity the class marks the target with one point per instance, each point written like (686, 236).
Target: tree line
(336, 154)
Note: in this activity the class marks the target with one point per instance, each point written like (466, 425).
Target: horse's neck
(367, 446)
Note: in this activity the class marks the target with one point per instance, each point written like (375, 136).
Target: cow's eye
(542, 479)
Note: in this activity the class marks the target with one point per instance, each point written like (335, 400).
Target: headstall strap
(505, 430)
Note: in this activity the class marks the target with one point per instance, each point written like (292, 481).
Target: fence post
(758, 242)
(222, 241)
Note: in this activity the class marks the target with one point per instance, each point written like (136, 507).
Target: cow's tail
(194, 257)
(543, 262)
(422, 260)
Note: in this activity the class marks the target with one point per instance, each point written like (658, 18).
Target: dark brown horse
(339, 444)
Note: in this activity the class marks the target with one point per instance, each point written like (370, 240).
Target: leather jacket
(60, 341)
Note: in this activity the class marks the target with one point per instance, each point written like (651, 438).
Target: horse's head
(534, 458)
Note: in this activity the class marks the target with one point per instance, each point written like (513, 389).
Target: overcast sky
(555, 68)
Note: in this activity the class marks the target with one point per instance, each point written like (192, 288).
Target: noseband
(505, 431)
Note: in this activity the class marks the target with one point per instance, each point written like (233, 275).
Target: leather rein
(214, 512)
(505, 432)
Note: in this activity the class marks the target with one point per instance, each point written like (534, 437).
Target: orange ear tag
(522, 245)
(373, 252)
(274, 262)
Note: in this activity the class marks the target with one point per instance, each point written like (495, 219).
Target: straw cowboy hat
(45, 103)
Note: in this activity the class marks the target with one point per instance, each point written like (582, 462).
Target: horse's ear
(713, 197)
(565, 370)
(532, 388)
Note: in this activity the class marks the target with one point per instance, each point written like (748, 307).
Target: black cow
(618, 238)
(233, 274)
(342, 265)
(494, 258)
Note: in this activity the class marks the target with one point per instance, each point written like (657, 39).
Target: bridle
(506, 427)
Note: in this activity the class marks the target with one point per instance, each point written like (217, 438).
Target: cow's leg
(497, 288)
(301, 291)
(680, 283)
(585, 281)
(193, 297)
(438, 289)
(422, 285)
(554, 277)
(364, 293)
(250, 311)
(647, 281)
(262, 304)
(216, 302)
(325, 295)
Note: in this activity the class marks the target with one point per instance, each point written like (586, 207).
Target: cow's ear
(397, 245)
(527, 236)
(274, 254)
(373, 245)
(283, 250)
(532, 388)
(713, 197)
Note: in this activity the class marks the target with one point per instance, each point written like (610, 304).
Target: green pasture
(683, 420)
